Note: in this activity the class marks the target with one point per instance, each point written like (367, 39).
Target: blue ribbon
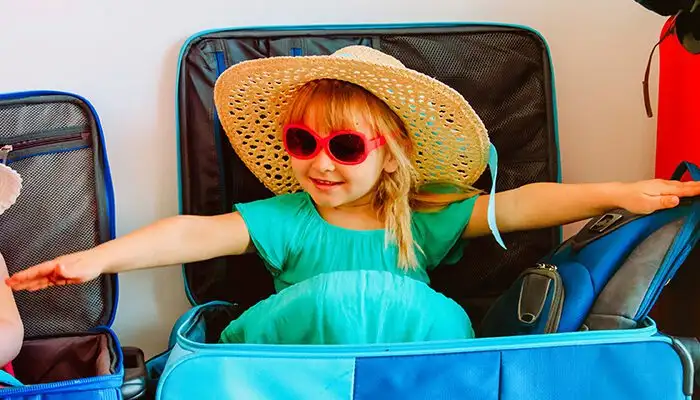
(491, 213)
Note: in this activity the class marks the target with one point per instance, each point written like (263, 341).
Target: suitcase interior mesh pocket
(21, 119)
(55, 214)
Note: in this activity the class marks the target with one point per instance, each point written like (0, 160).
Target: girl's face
(333, 184)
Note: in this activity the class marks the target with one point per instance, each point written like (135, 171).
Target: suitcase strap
(9, 380)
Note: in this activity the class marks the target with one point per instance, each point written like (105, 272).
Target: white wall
(122, 56)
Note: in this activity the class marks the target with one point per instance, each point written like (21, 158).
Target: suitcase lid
(503, 70)
(66, 205)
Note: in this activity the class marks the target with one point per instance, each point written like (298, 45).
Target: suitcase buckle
(605, 222)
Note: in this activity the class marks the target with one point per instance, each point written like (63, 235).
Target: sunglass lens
(300, 142)
(347, 147)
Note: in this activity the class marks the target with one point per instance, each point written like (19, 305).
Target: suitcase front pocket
(13, 150)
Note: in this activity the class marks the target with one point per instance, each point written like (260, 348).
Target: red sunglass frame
(324, 143)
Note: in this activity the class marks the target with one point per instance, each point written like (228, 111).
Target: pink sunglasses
(344, 147)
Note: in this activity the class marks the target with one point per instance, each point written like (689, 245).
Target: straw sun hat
(10, 186)
(450, 141)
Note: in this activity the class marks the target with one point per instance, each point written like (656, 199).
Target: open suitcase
(505, 72)
(54, 141)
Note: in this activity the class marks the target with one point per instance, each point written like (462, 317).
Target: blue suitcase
(54, 140)
(505, 72)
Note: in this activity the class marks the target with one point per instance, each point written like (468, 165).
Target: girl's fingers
(37, 286)
(26, 285)
(668, 201)
(31, 274)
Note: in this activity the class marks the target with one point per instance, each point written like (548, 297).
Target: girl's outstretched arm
(11, 328)
(174, 240)
(541, 205)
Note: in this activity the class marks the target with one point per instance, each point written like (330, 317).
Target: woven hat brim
(451, 143)
(10, 187)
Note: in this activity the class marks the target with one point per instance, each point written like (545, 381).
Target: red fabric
(8, 368)
(677, 311)
(678, 128)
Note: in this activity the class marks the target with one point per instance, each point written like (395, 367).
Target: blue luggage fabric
(608, 276)
(505, 72)
(637, 363)
(54, 140)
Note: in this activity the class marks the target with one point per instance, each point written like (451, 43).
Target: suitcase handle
(691, 362)
(134, 386)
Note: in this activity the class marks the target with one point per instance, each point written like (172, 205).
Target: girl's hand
(645, 197)
(65, 270)
(544, 204)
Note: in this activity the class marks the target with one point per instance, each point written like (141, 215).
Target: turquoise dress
(341, 286)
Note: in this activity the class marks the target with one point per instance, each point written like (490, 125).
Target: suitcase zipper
(44, 387)
(30, 145)
(646, 332)
(653, 294)
(5, 153)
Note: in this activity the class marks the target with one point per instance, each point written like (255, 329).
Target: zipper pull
(5, 153)
(547, 266)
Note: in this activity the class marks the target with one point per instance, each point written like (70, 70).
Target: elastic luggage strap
(686, 166)
(689, 234)
(491, 213)
(9, 380)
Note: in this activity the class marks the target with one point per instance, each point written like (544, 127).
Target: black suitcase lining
(503, 71)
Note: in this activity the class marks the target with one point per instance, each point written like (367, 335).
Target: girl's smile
(325, 185)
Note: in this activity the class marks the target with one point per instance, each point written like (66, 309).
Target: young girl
(385, 157)
(11, 328)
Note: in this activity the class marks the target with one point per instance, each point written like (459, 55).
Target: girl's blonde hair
(335, 104)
